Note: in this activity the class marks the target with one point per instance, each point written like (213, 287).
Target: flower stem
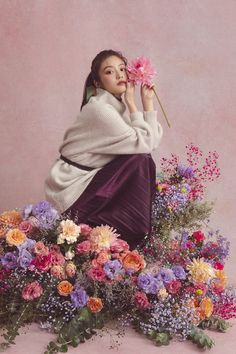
(167, 121)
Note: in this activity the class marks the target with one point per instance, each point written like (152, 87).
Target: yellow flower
(162, 294)
(101, 237)
(201, 271)
(206, 308)
(15, 237)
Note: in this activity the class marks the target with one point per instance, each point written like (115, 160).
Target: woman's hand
(130, 97)
(147, 95)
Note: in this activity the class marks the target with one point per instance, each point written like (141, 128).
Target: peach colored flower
(95, 304)
(69, 232)
(41, 249)
(133, 261)
(64, 288)
(206, 308)
(15, 237)
(221, 278)
(102, 237)
(58, 272)
(162, 294)
(70, 269)
(32, 291)
(11, 218)
(103, 257)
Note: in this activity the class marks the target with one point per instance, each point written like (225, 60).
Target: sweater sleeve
(108, 133)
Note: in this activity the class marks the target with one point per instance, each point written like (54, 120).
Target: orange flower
(15, 237)
(64, 288)
(206, 308)
(221, 278)
(95, 304)
(12, 218)
(2, 231)
(133, 261)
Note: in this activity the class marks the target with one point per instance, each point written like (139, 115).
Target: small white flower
(69, 255)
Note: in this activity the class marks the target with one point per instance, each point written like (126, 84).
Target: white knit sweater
(101, 131)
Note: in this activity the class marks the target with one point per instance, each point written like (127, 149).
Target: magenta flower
(141, 71)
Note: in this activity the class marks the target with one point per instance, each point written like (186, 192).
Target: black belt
(82, 167)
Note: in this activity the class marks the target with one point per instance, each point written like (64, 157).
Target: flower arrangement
(72, 279)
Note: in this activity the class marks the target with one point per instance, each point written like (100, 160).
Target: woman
(105, 174)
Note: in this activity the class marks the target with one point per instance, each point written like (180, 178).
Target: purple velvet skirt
(120, 195)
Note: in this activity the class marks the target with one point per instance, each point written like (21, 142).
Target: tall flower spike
(141, 71)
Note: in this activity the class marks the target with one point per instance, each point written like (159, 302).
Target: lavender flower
(26, 211)
(149, 283)
(9, 260)
(28, 244)
(166, 275)
(24, 258)
(113, 268)
(179, 272)
(45, 213)
(185, 171)
(79, 297)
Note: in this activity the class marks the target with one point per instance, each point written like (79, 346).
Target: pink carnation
(83, 247)
(119, 245)
(97, 273)
(198, 236)
(141, 300)
(174, 286)
(57, 258)
(42, 263)
(32, 291)
(58, 272)
(85, 229)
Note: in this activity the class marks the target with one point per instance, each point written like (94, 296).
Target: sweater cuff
(136, 116)
(150, 115)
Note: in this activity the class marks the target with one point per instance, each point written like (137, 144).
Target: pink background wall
(46, 48)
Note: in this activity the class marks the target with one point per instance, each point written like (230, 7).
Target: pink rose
(32, 291)
(42, 263)
(174, 286)
(119, 245)
(58, 272)
(85, 229)
(83, 247)
(97, 273)
(141, 300)
(57, 258)
(26, 226)
(41, 249)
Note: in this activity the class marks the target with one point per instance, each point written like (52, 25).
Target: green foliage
(215, 323)
(199, 338)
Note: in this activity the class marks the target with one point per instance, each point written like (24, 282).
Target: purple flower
(79, 297)
(28, 244)
(166, 275)
(24, 258)
(149, 283)
(185, 171)
(27, 211)
(9, 260)
(45, 213)
(179, 272)
(113, 268)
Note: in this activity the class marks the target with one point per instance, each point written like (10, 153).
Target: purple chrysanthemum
(179, 272)
(9, 260)
(113, 268)
(79, 297)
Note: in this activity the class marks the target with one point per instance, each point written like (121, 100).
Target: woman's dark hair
(95, 66)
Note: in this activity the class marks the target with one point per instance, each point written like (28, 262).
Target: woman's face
(113, 76)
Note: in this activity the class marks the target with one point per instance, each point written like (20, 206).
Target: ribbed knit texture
(101, 131)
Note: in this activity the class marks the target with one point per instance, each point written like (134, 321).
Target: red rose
(141, 300)
(218, 265)
(198, 236)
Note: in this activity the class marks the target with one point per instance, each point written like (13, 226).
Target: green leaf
(63, 348)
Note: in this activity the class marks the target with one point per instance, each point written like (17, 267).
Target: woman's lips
(122, 83)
